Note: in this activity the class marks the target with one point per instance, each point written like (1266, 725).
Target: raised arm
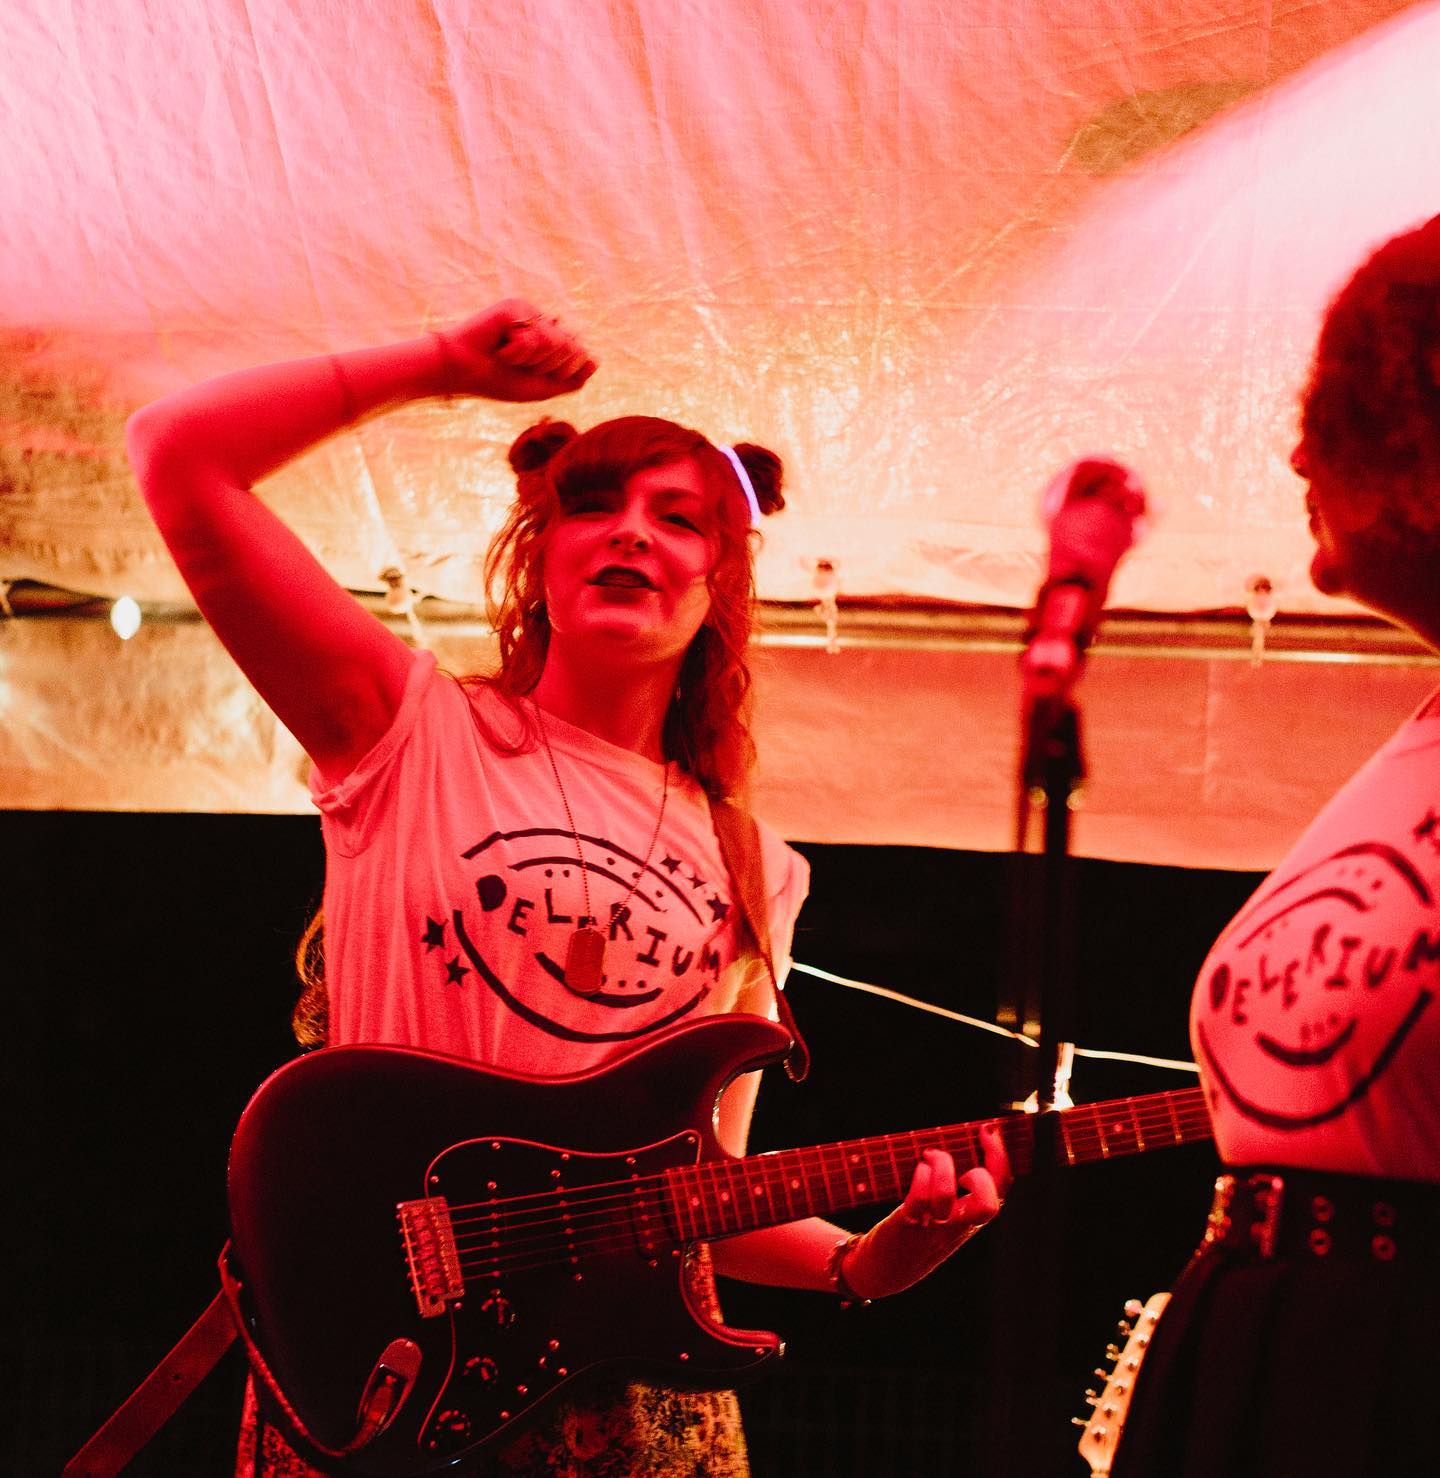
(332, 673)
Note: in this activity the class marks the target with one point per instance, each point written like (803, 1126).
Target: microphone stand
(1051, 768)
(1028, 1433)
(1093, 507)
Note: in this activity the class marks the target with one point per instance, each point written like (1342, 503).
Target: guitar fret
(743, 1192)
(719, 1194)
(700, 1217)
(794, 1171)
(733, 1196)
(829, 1169)
(757, 1202)
(839, 1185)
(780, 1192)
(815, 1166)
(897, 1183)
(853, 1188)
(1065, 1139)
(722, 1197)
(686, 1199)
(970, 1143)
(806, 1169)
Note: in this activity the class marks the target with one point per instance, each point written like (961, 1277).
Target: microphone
(1093, 508)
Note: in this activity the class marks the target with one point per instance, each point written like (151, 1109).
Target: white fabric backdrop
(927, 249)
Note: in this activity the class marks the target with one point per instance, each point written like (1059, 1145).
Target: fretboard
(719, 1198)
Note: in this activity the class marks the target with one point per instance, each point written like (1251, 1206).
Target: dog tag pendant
(585, 961)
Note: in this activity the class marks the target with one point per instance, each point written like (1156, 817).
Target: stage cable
(1173, 1064)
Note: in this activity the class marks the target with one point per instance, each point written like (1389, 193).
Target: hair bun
(535, 446)
(767, 473)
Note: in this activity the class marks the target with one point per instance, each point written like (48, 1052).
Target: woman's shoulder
(787, 871)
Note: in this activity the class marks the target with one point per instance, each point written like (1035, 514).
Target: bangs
(603, 458)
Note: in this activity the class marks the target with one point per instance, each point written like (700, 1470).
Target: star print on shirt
(455, 972)
(718, 910)
(696, 881)
(671, 865)
(434, 935)
(1429, 829)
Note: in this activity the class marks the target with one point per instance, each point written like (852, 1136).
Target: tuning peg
(1112, 1352)
(1092, 1398)
(1133, 1308)
(1079, 1421)
(1123, 1328)
(1102, 1372)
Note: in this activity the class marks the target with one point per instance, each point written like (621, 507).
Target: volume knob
(498, 1310)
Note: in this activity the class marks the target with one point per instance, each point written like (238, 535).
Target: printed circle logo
(1315, 987)
(661, 924)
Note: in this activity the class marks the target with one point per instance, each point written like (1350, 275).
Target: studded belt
(1317, 1214)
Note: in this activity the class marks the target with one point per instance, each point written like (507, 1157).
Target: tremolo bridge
(430, 1254)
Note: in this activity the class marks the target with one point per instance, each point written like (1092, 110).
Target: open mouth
(622, 577)
(1305, 1056)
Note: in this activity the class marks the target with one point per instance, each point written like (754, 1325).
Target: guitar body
(502, 1311)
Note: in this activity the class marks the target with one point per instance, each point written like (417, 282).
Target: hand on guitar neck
(932, 1222)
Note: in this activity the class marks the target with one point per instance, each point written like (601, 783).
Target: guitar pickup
(430, 1255)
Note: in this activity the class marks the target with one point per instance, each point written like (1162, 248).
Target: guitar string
(1016, 1127)
(826, 1162)
(634, 1191)
(508, 1261)
(715, 1171)
(576, 1210)
(724, 1177)
(612, 1236)
(611, 1239)
(585, 1237)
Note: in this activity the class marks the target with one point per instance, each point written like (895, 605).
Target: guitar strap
(159, 1396)
(739, 839)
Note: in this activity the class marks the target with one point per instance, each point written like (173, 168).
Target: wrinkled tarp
(927, 251)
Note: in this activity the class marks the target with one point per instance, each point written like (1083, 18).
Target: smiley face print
(1314, 989)
(663, 935)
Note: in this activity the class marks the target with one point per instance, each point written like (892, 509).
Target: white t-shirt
(1314, 1017)
(453, 888)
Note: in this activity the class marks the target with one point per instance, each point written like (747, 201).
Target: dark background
(149, 983)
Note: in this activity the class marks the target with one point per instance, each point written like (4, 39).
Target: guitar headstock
(1102, 1427)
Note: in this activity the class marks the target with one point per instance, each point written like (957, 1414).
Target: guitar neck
(719, 1198)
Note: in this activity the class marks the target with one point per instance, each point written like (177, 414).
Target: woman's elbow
(143, 434)
(157, 456)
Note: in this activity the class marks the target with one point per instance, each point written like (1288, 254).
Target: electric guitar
(425, 1251)
(1112, 1404)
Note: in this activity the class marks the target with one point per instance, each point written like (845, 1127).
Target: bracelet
(835, 1271)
